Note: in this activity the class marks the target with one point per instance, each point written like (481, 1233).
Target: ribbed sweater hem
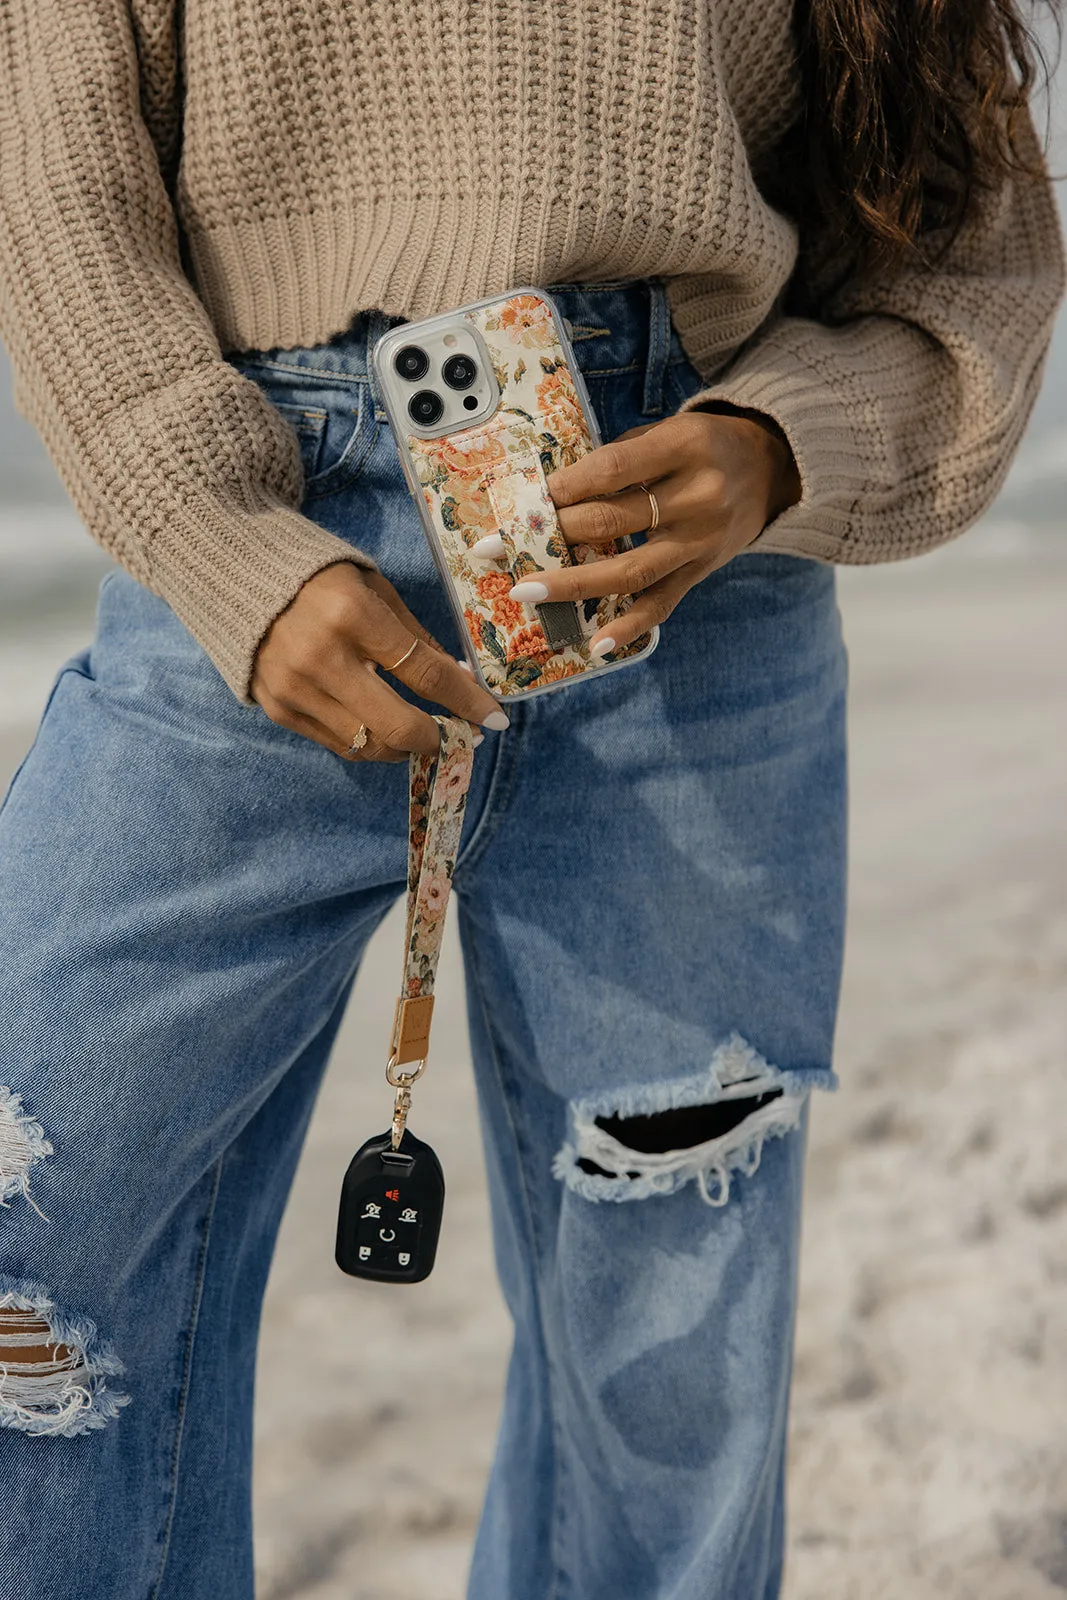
(298, 280)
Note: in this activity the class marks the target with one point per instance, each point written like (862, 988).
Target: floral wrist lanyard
(393, 1192)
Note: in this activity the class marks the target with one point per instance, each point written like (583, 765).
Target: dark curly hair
(913, 109)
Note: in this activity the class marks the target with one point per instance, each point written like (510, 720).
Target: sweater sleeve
(177, 464)
(905, 399)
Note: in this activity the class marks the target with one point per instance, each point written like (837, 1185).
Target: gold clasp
(402, 1082)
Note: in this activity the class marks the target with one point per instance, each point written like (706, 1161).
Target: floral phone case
(488, 476)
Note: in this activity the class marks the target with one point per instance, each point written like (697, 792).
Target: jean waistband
(616, 327)
(620, 327)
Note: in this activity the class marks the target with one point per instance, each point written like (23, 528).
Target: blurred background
(929, 1432)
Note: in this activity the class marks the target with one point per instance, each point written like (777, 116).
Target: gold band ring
(654, 504)
(404, 657)
(359, 739)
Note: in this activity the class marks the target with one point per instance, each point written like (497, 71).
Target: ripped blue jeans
(650, 897)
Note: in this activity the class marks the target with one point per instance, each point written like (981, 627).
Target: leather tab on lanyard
(411, 1028)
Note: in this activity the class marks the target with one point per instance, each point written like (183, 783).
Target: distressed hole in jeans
(656, 1137)
(677, 1130)
(22, 1146)
(53, 1371)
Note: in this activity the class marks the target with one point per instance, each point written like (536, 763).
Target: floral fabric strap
(439, 785)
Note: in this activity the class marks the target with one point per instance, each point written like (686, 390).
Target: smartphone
(484, 402)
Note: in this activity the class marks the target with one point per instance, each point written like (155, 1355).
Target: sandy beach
(929, 1431)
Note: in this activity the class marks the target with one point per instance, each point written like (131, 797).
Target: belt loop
(377, 324)
(659, 345)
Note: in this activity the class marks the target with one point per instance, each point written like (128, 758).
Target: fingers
(385, 591)
(436, 676)
(629, 573)
(327, 735)
(428, 670)
(635, 433)
(653, 606)
(327, 680)
(355, 695)
(600, 521)
(334, 730)
(319, 670)
(654, 452)
(491, 548)
(375, 750)
(396, 728)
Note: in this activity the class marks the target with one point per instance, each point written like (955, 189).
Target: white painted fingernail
(489, 548)
(528, 592)
(602, 647)
(497, 720)
(464, 664)
(479, 738)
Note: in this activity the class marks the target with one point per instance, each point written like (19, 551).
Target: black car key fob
(390, 1213)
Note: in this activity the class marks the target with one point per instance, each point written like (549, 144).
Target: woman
(811, 266)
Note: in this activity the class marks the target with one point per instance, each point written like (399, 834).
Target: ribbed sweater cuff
(229, 596)
(835, 439)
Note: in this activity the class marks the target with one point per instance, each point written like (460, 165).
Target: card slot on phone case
(533, 540)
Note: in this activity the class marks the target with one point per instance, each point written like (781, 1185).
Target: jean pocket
(332, 417)
(81, 666)
(309, 425)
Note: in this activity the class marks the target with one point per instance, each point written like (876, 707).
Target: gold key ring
(402, 1080)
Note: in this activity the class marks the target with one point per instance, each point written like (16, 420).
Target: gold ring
(359, 739)
(404, 657)
(654, 503)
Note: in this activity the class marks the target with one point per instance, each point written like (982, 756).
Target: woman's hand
(316, 671)
(718, 477)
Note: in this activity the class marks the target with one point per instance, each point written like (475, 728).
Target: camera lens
(412, 363)
(459, 372)
(426, 408)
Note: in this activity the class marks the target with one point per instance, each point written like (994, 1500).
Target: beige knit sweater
(180, 178)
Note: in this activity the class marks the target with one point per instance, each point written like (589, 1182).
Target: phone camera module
(459, 372)
(426, 408)
(412, 363)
